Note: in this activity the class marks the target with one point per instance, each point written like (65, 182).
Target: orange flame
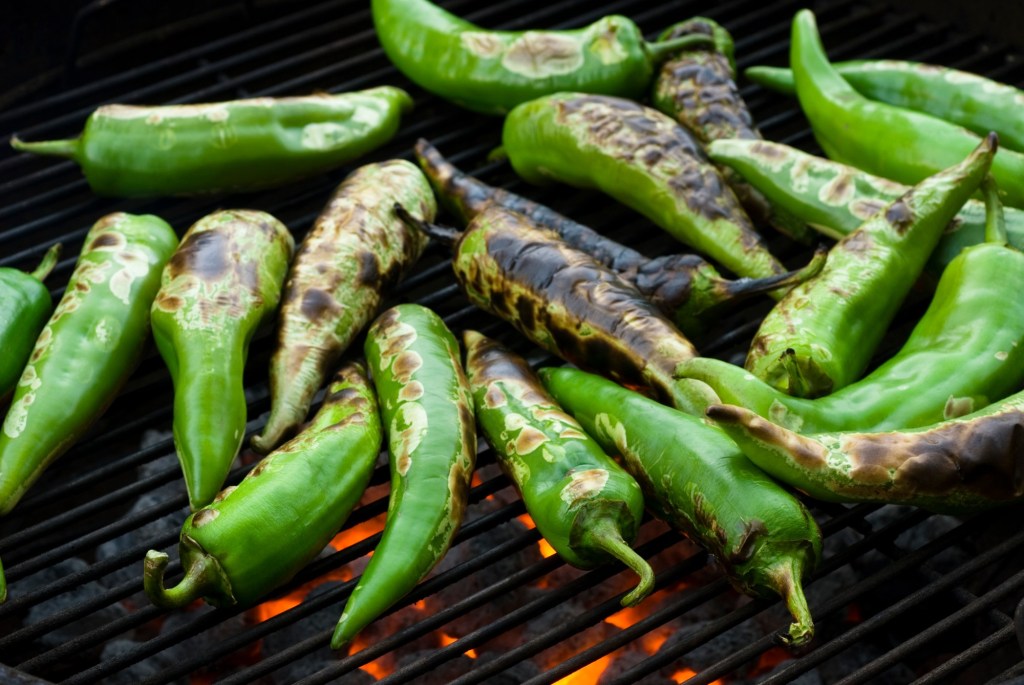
(769, 660)
(546, 550)
(589, 674)
(684, 674)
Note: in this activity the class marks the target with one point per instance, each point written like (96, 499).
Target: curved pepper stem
(201, 577)
(995, 219)
(49, 261)
(443, 234)
(603, 534)
(68, 147)
(662, 50)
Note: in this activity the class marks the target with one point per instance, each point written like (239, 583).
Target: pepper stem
(995, 220)
(603, 533)
(3, 584)
(443, 234)
(200, 577)
(745, 287)
(57, 148)
(662, 50)
(786, 581)
(49, 261)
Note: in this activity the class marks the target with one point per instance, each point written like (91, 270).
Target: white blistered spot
(956, 76)
(17, 415)
(218, 114)
(102, 333)
(584, 484)
(613, 430)
(133, 267)
(1002, 356)
(368, 117)
(324, 136)
(537, 54)
(513, 422)
(482, 44)
(408, 426)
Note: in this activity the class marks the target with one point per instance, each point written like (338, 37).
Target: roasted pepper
(222, 284)
(821, 336)
(25, 304)
(493, 71)
(427, 411)
(583, 503)
(255, 536)
(244, 145)
(697, 479)
(895, 143)
(643, 159)
(356, 251)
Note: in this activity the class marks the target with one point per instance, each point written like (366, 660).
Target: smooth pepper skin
(427, 411)
(821, 336)
(643, 159)
(222, 284)
(963, 354)
(493, 71)
(957, 466)
(25, 305)
(696, 479)
(895, 143)
(356, 251)
(836, 199)
(243, 145)
(584, 504)
(255, 536)
(977, 103)
(685, 287)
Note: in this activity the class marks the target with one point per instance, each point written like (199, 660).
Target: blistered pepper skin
(222, 284)
(25, 304)
(643, 159)
(356, 251)
(244, 145)
(255, 536)
(427, 411)
(696, 479)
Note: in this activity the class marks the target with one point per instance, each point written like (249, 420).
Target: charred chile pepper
(583, 503)
(697, 479)
(685, 287)
(643, 159)
(356, 251)
(222, 284)
(836, 199)
(697, 88)
(963, 354)
(493, 71)
(255, 536)
(25, 304)
(821, 336)
(243, 145)
(977, 103)
(895, 143)
(956, 466)
(427, 412)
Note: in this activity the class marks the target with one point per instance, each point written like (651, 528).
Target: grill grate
(936, 595)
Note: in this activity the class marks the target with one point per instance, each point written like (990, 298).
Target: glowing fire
(589, 674)
(684, 674)
(546, 550)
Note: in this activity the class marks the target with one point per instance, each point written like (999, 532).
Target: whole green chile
(25, 304)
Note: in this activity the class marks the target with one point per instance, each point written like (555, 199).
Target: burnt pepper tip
(787, 584)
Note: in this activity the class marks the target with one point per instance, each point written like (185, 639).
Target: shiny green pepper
(25, 304)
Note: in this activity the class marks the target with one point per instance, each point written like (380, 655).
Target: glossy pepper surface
(493, 71)
(127, 150)
(222, 284)
(696, 479)
(963, 354)
(255, 536)
(977, 103)
(25, 305)
(427, 411)
(956, 466)
(584, 504)
(895, 143)
(821, 336)
(836, 199)
(356, 251)
(685, 287)
(643, 159)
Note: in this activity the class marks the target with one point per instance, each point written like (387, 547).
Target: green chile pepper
(128, 151)
(493, 71)
(697, 479)
(222, 284)
(25, 304)
(957, 466)
(356, 251)
(836, 199)
(583, 503)
(643, 159)
(684, 287)
(977, 103)
(895, 143)
(821, 336)
(427, 411)
(963, 354)
(255, 536)
(697, 88)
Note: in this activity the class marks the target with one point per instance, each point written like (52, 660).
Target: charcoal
(811, 677)
(624, 662)
(442, 674)
(311, 665)
(862, 653)
(321, 622)
(519, 673)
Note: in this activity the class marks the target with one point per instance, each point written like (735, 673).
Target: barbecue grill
(901, 595)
